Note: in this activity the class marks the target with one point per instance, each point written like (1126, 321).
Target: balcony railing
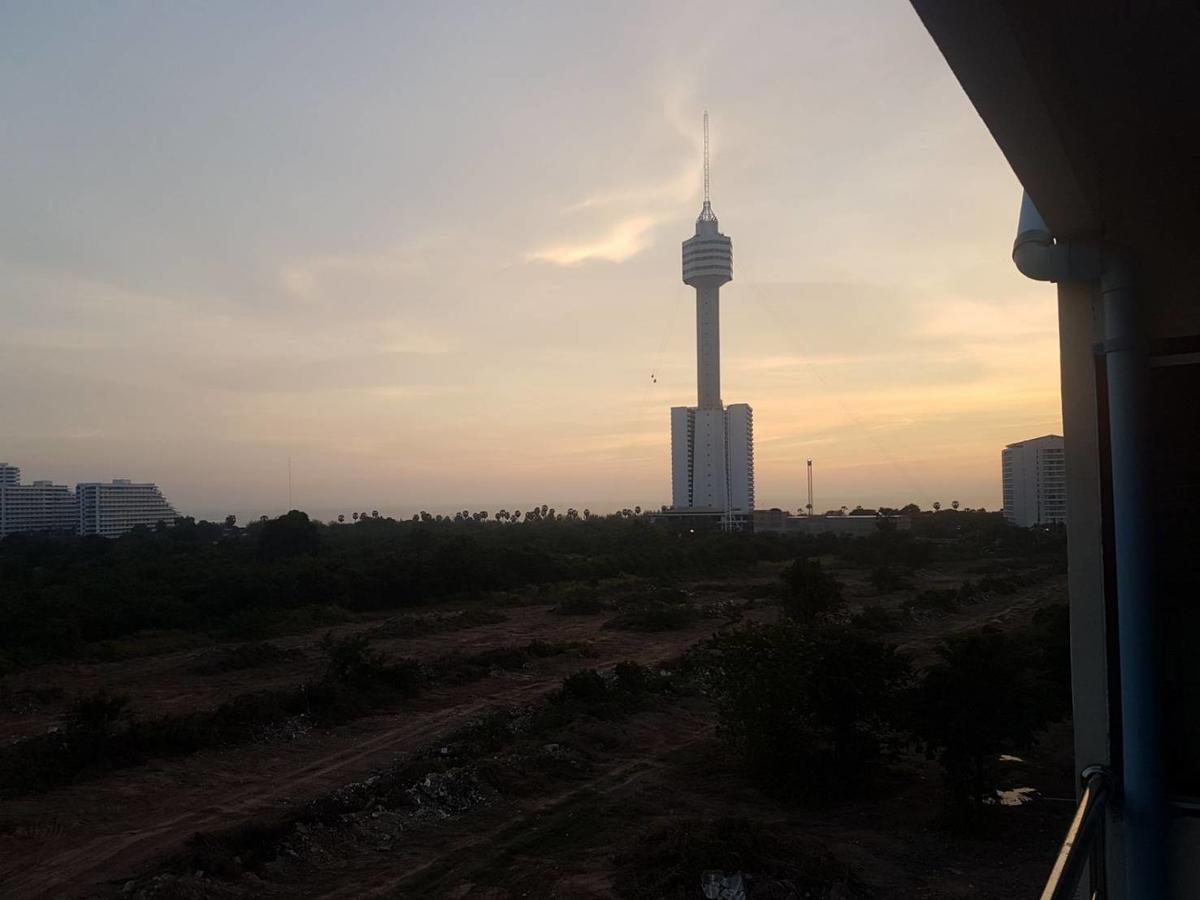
(1084, 843)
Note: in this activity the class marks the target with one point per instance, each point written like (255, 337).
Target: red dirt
(63, 842)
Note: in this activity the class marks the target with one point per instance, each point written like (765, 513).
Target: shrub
(885, 580)
(810, 593)
(655, 615)
(940, 600)
(586, 685)
(668, 861)
(979, 700)
(808, 708)
(242, 656)
(877, 619)
(578, 600)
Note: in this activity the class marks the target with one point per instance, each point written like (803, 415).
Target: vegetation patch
(409, 626)
(508, 748)
(679, 858)
(463, 668)
(809, 709)
(254, 655)
(655, 615)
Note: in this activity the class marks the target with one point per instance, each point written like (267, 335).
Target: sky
(430, 253)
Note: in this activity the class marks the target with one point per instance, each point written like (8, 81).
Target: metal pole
(1141, 715)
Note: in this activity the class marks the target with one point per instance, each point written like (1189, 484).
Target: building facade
(105, 509)
(41, 506)
(110, 509)
(712, 445)
(1035, 481)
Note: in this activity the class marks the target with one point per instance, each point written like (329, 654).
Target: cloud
(669, 194)
(626, 239)
(307, 279)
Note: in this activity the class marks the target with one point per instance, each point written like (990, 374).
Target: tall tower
(712, 446)
(708, 264)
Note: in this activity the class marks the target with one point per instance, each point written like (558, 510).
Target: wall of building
(111, 509)
(40, 506)
(1034, 482)
(739, 436)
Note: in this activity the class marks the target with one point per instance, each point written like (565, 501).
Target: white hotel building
(106, 509)
(112, 508)
(40, 506)
(1035, 481)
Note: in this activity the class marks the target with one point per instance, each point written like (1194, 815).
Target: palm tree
(341, 518)
(954, 503)
(374, 514)
(937, 505)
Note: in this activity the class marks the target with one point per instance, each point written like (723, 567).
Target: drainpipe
(1038, 256)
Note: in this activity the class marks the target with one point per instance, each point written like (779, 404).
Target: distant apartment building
(107, 509)
(41, 506)
(112, 508)
(1035, 481)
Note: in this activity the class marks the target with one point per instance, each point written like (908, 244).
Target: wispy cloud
(626, 239)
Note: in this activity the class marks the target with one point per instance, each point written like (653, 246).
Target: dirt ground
(558, 840)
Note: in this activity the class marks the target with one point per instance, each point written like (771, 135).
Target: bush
(242, 656)
(655, 615)
(586, 685)
(877, 619)
(885, 580)
(669, 860)
(981, 699)
(808, 708)
(579, 600)
(810, 593)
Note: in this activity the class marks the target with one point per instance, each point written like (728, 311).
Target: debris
(716, 885)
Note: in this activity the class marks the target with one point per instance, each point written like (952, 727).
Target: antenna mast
(706, 213)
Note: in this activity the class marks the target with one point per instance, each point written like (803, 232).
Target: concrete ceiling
(1096, 105)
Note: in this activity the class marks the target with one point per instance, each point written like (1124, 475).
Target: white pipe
(1038, 256)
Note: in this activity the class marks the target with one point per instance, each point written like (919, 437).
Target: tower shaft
(708, 346)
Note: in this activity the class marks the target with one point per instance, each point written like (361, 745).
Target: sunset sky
(431, 252)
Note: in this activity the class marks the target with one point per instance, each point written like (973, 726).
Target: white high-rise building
(712, 446)
(41, 506)
(109, 509)
(1035, 481)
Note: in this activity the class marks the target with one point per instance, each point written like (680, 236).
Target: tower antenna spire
(706, 213)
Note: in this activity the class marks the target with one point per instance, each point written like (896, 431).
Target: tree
(810, 593)
(355, 517)
(937, 505)
(230, 522)
(341, 518)
(292, 534)
(954, 504)
(808, 708)
(980, 700)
